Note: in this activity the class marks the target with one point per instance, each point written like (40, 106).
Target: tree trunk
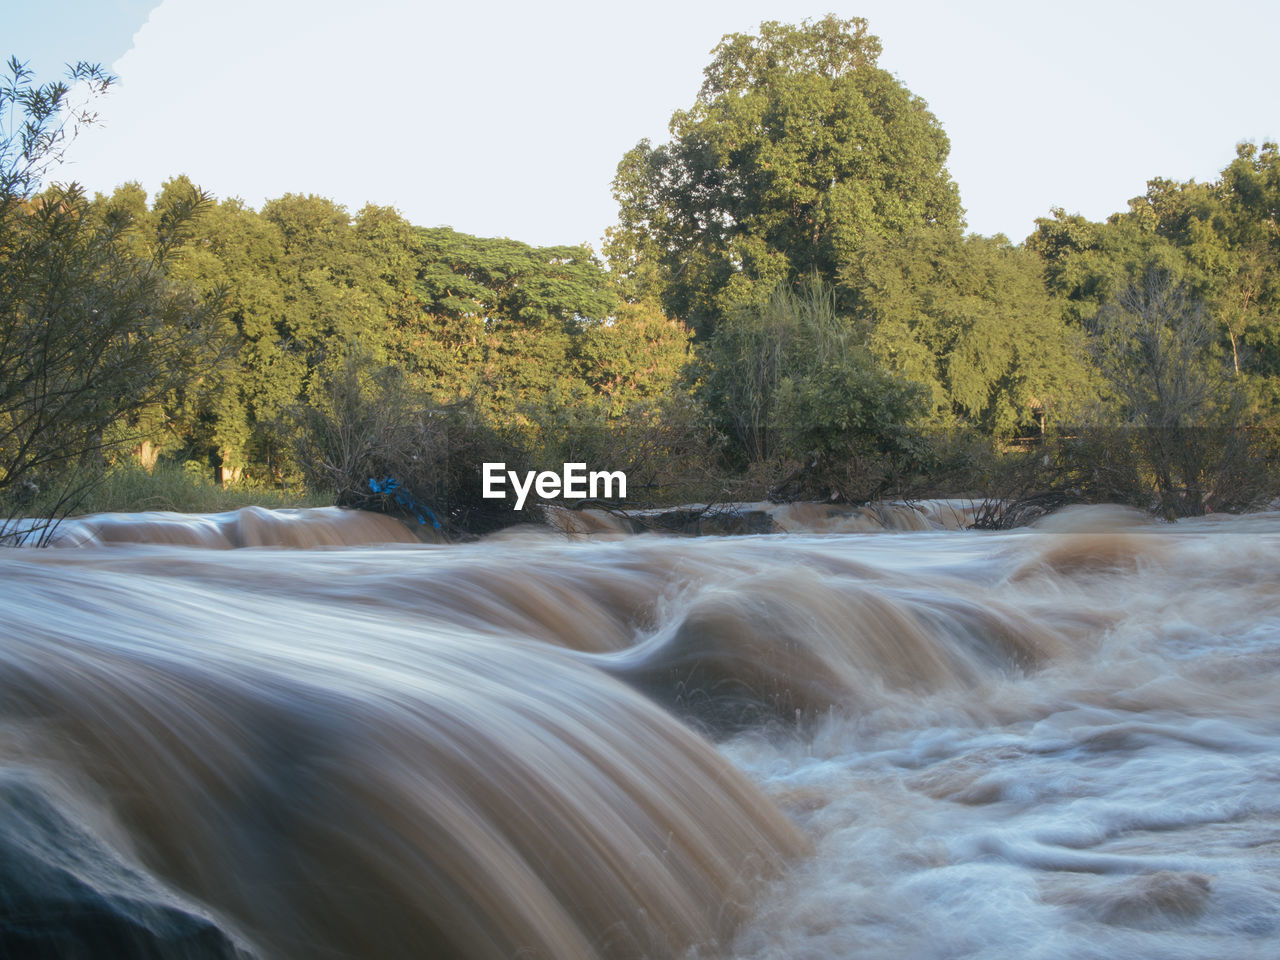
(147, 454)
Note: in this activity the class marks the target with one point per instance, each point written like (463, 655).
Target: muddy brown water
(868, 737)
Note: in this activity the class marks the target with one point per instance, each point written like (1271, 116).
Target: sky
(509, 119)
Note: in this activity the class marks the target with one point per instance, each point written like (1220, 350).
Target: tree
(1221, 240)
(798, 148)
(1248, 297)
(1088, 264)
(306, 283)
(92, 330)
(970, 319)
(378, 443)
(499, 319)
(636, 355)
(787, 378)
(1185, 413)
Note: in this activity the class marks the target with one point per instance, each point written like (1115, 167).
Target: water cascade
(1061, 741)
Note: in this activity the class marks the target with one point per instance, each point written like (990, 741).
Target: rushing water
(1059, 742)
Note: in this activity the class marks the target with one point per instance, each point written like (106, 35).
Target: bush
(184, 488)
(665, 445)
(379, 444)
(1180, 434)
(791, 383)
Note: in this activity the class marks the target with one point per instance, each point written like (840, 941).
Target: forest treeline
(788, 306)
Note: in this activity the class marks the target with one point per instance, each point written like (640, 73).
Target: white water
(1052, 743)
(1122, 801)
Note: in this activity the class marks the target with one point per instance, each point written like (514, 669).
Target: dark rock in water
(66, 895)
(739, 522)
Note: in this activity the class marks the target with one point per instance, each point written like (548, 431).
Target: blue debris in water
(392, 486)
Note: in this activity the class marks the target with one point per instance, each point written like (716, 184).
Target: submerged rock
(65, 893)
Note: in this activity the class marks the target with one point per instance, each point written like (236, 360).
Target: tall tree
(971, 320)
(1219, 240)
(499, 318)
(797, 148)
(1251, 188)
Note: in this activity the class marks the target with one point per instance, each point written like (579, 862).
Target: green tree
(1172, 394)
(499, 319)
(333, 283)
(225, 422)
(787, 378)
(1251, 307)
(970, 319)
(93, 332)
(1088, 264)
(1219, 240)
(637, 355)
(797, 149)
(306, 283)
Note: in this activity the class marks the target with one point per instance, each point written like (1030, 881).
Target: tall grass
(130, 488)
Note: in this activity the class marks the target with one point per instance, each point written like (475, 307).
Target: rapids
(1056, 742)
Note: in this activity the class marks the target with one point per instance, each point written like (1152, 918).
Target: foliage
(797, 149)
(636, 356)
(789, 378)
(127, 487)
(305, 287)
(1229, 234)
(366, 434)
(94, 336)
(499, 323)
(665, 445)
(37, 121)
(1087, 264)
(851, 340)
(1188, 423)
(1221, 240)
(970, 319)
(499, 319)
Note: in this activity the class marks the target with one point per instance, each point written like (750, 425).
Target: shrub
(1182, 433)
(379, 444)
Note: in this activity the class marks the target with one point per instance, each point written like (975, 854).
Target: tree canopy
(972, 321)
(797, 149)
(789, 300)
(1219, 241)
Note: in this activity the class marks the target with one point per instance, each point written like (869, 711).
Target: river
(1056, 742)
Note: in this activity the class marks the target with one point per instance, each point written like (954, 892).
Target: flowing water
(1058, 742)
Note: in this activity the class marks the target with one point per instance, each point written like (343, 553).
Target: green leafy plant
(92, 330)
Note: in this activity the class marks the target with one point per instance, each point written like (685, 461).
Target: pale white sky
(508, 119)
